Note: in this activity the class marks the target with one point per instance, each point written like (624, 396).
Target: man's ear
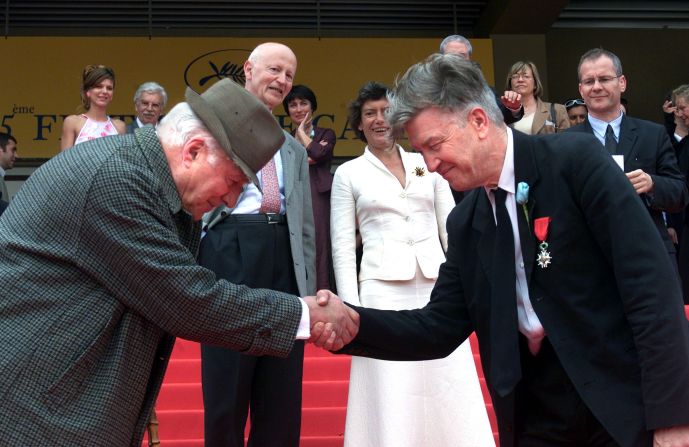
(194, 148)
(623, 83)
(248, 66)
(478, 119)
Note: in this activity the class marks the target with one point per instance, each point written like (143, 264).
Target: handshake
(333, 324)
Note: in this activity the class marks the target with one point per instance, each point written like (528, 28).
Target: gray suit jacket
(99, 274)
(299, 212)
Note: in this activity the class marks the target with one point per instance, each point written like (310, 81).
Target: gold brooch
(419, 171)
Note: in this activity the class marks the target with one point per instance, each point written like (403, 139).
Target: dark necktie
(505, 368)
(610, 142)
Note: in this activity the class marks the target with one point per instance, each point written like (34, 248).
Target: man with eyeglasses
(576, 111)
(641, 148)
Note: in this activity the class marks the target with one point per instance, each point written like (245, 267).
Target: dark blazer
(3, 206)
(609, 302)
(131, 127)
(98, 268)
(322, 154)
(645, 145)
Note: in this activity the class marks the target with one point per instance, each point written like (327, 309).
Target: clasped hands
(333, 324)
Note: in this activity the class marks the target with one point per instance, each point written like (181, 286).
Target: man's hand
(333, 324)
(671, 437)
(511, 100)
(673, 235)
(641, 181)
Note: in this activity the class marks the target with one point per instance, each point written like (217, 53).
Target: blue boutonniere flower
(523, 198)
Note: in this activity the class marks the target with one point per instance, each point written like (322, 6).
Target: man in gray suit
(8, 154)
(266, 240)
(149, 102)
(97, 259)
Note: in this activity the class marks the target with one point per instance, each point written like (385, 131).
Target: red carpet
(326, 381)
(326, 378)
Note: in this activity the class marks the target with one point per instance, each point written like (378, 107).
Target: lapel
(3, 190)
(539, 117)
(375, 161)
(287, 156)
(627, 140)
(525, 171)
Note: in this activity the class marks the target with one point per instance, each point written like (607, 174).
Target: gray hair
(595, 54)
(151, 88)
(445, 81)
(681, 92)
(456, 38)
(180, 125)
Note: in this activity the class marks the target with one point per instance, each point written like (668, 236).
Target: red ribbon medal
(541, 230)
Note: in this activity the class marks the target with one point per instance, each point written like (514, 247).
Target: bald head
(269, 72)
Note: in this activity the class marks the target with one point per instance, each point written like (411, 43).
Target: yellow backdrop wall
(42, 76)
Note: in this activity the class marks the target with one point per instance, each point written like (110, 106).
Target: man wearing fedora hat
(266, 240)
(91, 301)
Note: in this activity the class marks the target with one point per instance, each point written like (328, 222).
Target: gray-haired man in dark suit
(93, 296)
(149, 102)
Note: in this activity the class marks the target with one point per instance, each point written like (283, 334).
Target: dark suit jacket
(645, 145)
(609, 302)
(3, 206)
(98, 268)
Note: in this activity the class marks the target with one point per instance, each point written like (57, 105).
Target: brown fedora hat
(242, 125)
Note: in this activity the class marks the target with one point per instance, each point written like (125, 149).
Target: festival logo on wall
(208, 68)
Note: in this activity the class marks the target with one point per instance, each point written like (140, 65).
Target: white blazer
(399, 226)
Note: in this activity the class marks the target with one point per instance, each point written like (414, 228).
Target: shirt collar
(599, 126)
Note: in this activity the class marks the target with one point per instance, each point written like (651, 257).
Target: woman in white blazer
(399, 209)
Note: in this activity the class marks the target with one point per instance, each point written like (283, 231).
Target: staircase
(325, 388)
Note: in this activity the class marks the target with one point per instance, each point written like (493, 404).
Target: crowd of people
(558, 233)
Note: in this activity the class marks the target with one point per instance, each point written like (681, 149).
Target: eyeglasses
(603, 80)
(516, 76)
(574, 102)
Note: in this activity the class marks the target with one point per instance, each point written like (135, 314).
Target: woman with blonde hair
(97, 87)
(540, 117)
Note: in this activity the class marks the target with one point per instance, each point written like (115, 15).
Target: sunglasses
(574, 102)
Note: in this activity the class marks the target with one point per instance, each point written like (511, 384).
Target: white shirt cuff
(304, 330)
